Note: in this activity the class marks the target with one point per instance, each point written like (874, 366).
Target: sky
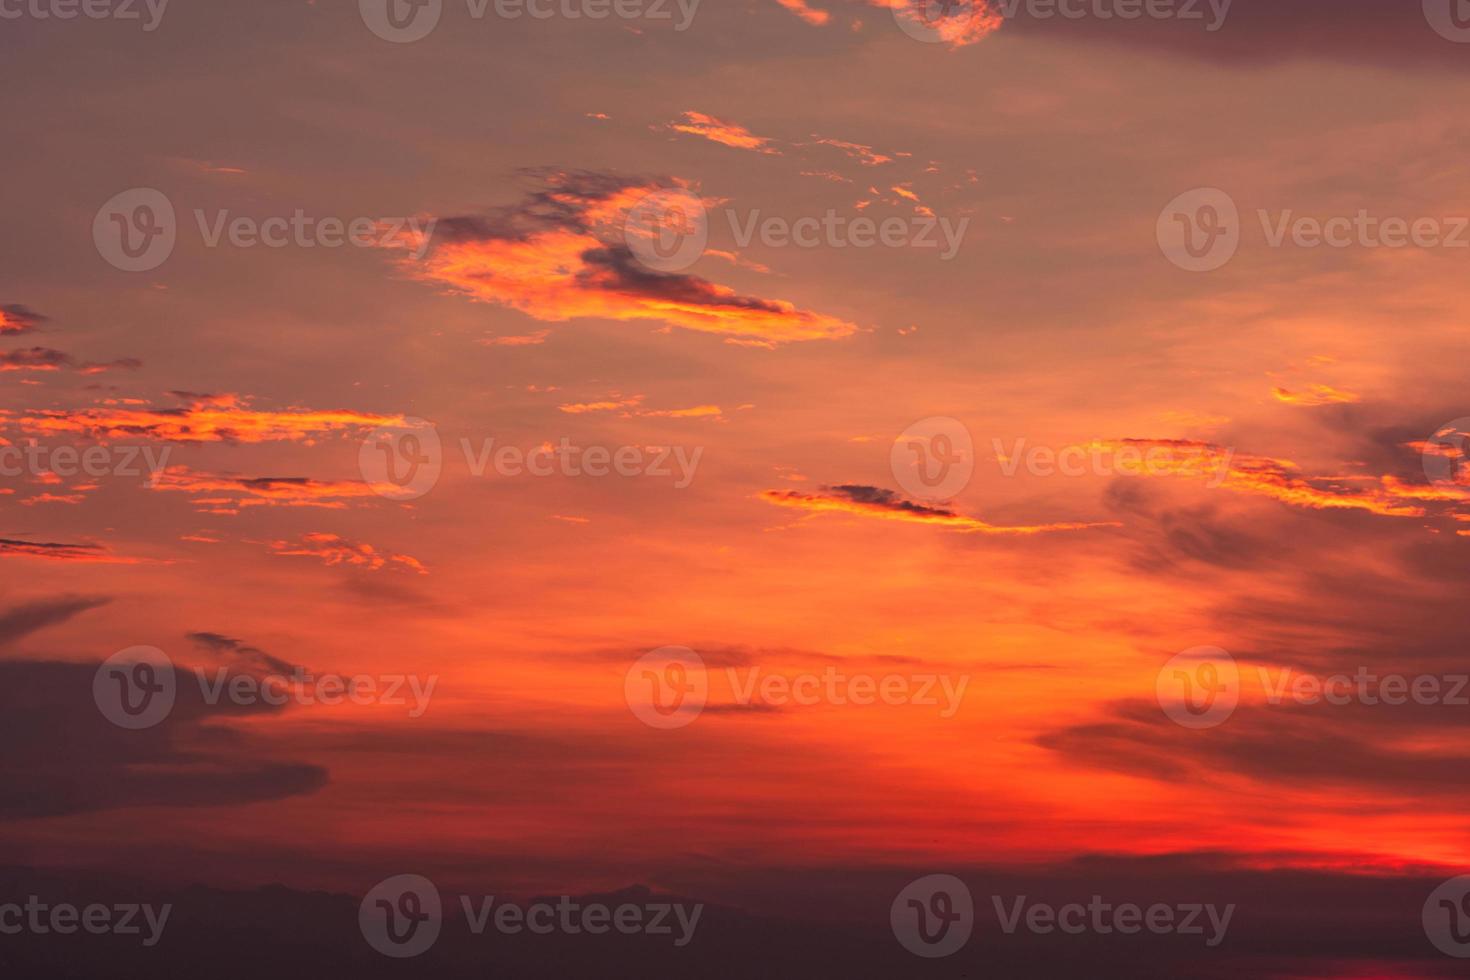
(1035, 365)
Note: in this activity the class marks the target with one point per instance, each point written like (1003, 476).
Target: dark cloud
(16, 318)
(238, 651)
(48, 359)
(1260, 32)
(62, 756)
(22, 620)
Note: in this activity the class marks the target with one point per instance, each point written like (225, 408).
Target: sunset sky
(1305, 408)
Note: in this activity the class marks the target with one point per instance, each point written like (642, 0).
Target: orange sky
(1293, 397)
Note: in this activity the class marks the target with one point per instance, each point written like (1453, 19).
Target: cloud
(720, 131)
(335, 550)
(562, 253)
(237, 650)
(226, 494)
(205, 418)
(64, 757)
(47, 359)
(94, 554)
(865, 155)
(1262, 32)
(884, 504)
(957, 23)
(1281, 479)
(523, 340)
(806, 12)
(628, 408)
(27, 618)
(16, 318)
(1316, 394)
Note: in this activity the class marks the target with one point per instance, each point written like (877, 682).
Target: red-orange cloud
(332, 549)
(877, 502)
(562, 254)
